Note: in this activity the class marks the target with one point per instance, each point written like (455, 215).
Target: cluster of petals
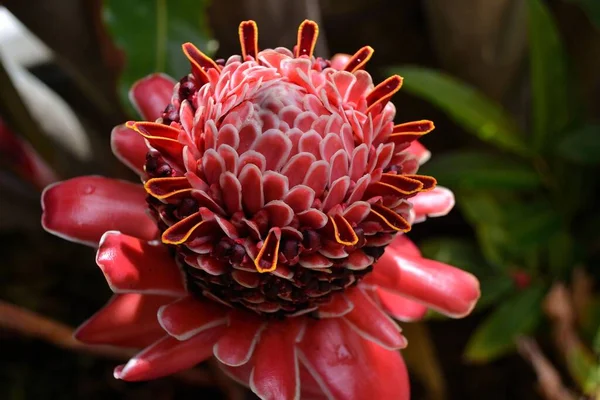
(328, 130)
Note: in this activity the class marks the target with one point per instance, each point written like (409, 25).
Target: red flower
(19, 156)
(274, 181)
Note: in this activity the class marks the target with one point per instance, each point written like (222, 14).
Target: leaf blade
(477, 170)
(581, 146)
(592, 8)
(517, 316)
(552, 105)
(473, 111)
(151, 33)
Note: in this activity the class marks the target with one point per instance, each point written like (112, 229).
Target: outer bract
(269, 230)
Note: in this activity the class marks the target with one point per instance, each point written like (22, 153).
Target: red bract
(272, 185)
(18, 155)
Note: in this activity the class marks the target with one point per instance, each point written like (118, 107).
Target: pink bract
(269, 229)
(20, 157)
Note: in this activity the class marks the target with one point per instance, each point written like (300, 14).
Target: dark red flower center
(267, 294)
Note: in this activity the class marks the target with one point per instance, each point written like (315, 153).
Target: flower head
(269, 229)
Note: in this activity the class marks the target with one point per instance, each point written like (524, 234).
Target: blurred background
(514, 90)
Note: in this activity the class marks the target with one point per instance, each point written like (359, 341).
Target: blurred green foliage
(150, 33)
(476, 113)
(554, 109)
(467, 169)
(495, 335)
(524, 195)
(592, 7)
(581, 146)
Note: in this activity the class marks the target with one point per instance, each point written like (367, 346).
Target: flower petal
(134, 265)
(169, 355)
(189, 316)
(129, 147)
(239, 374)
(371, 322)
(399, 307)
(275, 147)
(346, 366)
(276, 374)
(127, 320)
(340, 60)
(309, 388)
(442, 287)
(82, 209)
(434, 203)
(338, 306)
(151, 95)
(418, 150)
(237, 344)
(404, 245)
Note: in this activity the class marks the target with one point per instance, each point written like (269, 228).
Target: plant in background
(269, 230)
(150, 36)
(529, 196)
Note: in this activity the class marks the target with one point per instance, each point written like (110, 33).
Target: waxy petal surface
(168, 356)
(134, 265)
(82, 209)
(127, 320)
(129, 147)
(446, 289)
(350, 367)
(151, 95)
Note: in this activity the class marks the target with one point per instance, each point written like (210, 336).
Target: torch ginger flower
(268, 232)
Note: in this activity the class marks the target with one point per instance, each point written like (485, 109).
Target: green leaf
(549, 76)
(517, 316)
(477, 170)
(582, 367)
(151, 34)
(589, 321)
(597, 342)
(592, 8)
(592, 384)
(560, 254)
(531, 224)
(494, 289)
(485, 211)
(476, 113)
(482, 207)
(581, 146)
(509, 229)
